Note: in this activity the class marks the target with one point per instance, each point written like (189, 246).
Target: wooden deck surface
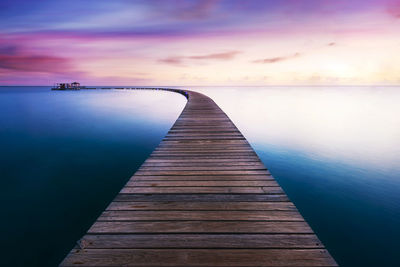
(203, 198)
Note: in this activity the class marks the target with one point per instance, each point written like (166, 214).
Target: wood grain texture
(199, 257)
(201, 183)
(202, 198)
(220, 206)
(224, 215)
(221, 227)
(201, 241)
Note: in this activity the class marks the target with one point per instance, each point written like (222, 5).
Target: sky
(200, 42)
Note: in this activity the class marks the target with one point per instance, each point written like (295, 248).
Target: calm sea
(334, 150)
(64, 156)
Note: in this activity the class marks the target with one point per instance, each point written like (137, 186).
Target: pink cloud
(17, 58)
(394, 8)
(219, 56)
(32, 63)
(172, 60)
(276, 59)
(178, 60)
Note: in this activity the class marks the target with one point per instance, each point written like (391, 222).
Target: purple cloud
(189, 10)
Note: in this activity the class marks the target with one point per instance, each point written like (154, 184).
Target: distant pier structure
(202, 198)
(68, 86)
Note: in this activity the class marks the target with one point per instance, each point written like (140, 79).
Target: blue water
(64, 156)
(334, 150)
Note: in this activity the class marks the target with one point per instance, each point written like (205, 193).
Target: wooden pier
(203, 198)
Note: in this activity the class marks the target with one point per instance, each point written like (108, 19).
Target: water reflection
(351, 124)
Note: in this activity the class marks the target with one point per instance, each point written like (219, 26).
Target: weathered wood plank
(208, 151)
(199, 257)
(238, 227)
(201, 160)
(206, 157)
(134, 182)
(112, 215)
(204, 178)
(137, 205)
(195, 167)
(234, 149)
(203, 197)
(202, 190)
(206, 142)
(201, 241)
(205, 147)
(202, 172)
(201, 164)
(202, 134)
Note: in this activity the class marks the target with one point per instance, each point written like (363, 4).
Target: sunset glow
(200, 42)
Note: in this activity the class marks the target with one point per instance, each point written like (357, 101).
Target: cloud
(8, 49)
(197, 10)
(393, 8)
(172, 60)
(219, 56)
(183, 9)
(276, 59)
(331, 44)
(33, 63)
(179, 60)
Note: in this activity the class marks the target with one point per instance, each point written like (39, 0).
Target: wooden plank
(205, 157)
(204, 130)
(122, 215)
(199, 257)
(202, 164)
(206, 149)
(133, 182)
(214, 145)
(200, 138)
(208, 133)
(206, 142)
(201, 160)
(202, 172)
(158, 205)
(204, 178)
(203, 148)
(201, 241)
(203, 197)
(202, 190)
(202, 154)
(185, 149)
(201, 168)
(237, 227)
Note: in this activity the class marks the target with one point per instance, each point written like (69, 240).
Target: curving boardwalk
(203, 198)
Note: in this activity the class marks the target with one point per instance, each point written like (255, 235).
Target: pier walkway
(203, 198)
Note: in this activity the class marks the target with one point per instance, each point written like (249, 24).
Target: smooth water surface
(334, 150)
(336, 153)
(64, 156)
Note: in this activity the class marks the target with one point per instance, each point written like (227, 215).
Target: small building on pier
(67, 86)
